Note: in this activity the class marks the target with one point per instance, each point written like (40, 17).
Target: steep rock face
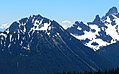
(99, 33)
(111, 52)
(37, 45)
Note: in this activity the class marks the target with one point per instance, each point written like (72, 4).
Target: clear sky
(59, 10)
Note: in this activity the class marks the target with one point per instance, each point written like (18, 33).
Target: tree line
(113, 71)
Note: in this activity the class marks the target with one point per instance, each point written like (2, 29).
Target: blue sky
(59, 10)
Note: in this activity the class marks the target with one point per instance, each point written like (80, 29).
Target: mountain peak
(35, 22)
(112, 10)
(97, 19)
(101, 32)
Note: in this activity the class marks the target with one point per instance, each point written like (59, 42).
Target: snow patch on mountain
(112, 29)
(39, 26)
(99, 33)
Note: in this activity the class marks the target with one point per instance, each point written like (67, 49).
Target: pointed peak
(37, 16)
(79, 22)
(97, 19)
(97, 16)
(112, 10)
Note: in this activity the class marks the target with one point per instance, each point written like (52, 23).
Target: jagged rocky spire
(97, 19)
(112, 10)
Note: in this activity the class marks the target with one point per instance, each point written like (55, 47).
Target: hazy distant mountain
(66, 24)
(3, 27)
